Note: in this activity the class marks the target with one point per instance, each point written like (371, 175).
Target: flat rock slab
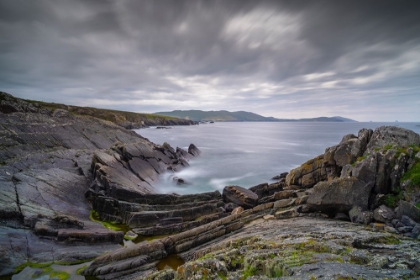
(304, 248)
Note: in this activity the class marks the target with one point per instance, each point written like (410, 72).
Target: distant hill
(241, 116)
(218, 116)
(128, 120)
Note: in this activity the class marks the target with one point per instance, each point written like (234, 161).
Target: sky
(286, 59)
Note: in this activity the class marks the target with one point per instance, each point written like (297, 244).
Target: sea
(248, 153)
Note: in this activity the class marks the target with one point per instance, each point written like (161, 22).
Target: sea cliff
(350, 212)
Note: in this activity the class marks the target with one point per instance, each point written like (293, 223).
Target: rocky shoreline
(334, 216)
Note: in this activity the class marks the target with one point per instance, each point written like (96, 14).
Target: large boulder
(394, 136)
(240, 196)
(340, 195)
(308, 174)
(357, 215)
(346, 152)
(383, 214)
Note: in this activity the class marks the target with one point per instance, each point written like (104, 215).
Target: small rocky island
(350, 213)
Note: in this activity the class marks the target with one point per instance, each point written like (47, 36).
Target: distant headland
(240, 116)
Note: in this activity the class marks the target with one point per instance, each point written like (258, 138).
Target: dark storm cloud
(359, 59)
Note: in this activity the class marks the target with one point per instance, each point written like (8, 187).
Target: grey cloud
(280, 58)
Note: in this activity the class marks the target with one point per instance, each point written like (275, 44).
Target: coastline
(56, 166)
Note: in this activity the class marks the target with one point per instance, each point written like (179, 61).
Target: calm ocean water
(248, 153)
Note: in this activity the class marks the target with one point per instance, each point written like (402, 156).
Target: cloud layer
(287, 59)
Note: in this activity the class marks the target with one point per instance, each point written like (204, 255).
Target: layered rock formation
(58, 167)
(48, 160)
(350, 181)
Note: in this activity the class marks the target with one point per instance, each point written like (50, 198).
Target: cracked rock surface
(45, 170)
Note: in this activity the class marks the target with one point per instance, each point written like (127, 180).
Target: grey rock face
(340, 194)
(391, 135)
(357, 215)
(193, 150)
(308, 174)
(46, 167)
(383, 214)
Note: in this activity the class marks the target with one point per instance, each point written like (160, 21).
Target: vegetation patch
(391, 200)
(94, 216)
(388, 240)
(32, 265)
(46, 270)
(388, 147)
(61, 275)
(413, 175)
(80, 269)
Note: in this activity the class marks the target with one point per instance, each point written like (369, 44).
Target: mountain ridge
(241, 116)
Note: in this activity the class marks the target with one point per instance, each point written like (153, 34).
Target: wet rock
(240, 196)
(130, 235)
(180, 181)
(193, 150)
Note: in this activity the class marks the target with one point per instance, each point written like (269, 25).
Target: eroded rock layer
(351, 181)
(48, 160)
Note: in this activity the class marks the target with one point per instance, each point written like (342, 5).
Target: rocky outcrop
(361, 174)
(127, 170)
(300, 248)
(340, 195)
(49, 157)
(142, 258)
(56, 163)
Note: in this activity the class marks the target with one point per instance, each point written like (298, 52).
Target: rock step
(174, 199)
(152, 218)
(178, 227)
(134, 207)
(117, 262)
(73, 235)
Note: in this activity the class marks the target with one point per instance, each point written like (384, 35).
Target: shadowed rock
(340, 195)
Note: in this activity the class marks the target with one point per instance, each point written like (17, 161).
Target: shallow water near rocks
(50, 272)
(172, 261)
(248, 153)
